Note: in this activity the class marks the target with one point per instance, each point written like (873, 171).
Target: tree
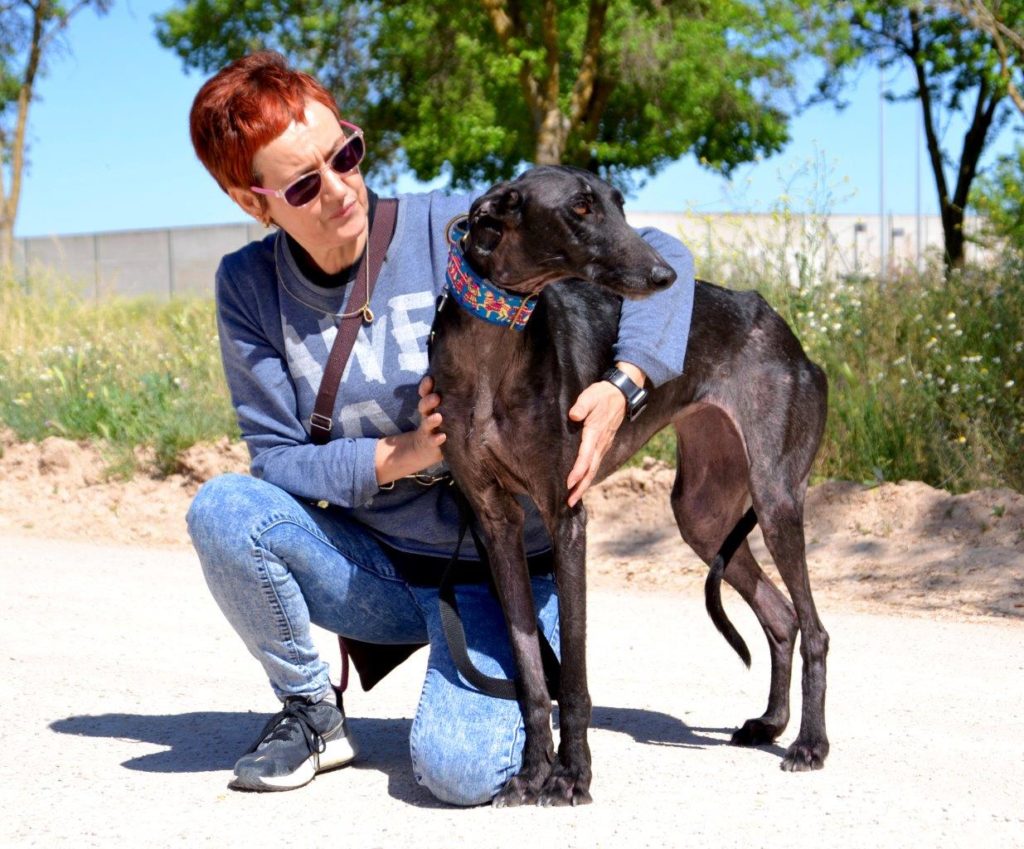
(999, 198)
(474, 90)
(29, 31)
(993, 17)
(956, 73)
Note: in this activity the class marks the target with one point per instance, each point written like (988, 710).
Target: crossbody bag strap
(380, 237)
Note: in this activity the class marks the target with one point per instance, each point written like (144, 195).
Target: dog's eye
(583, 207)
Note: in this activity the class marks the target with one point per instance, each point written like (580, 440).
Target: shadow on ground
(211, 741)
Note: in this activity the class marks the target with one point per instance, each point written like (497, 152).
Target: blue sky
(110, 148)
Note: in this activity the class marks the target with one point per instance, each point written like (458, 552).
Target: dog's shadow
(211, 741)
(655, 728)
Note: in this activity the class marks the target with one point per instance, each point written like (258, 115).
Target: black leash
(455, 633)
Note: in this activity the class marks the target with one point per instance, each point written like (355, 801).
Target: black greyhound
(749, 413)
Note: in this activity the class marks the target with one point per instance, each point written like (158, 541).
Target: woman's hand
(601, 407)
(407, 453)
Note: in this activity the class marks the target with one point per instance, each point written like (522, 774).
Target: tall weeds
(126, 373)
(925, 374)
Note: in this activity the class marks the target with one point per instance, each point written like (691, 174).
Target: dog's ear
(490, 215)
(510, 207)
(502, 203)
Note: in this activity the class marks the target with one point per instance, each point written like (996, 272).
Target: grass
(924, 374)
(124, 373)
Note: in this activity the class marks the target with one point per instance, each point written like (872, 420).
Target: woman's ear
(251, 204)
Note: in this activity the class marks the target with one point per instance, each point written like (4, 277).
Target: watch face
(637, 404)
(636, 396)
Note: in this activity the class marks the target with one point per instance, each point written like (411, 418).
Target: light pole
(881, 176)
(917, 186)
(894, 233)
(858, 228)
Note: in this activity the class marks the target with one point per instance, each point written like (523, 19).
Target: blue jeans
(275, 564)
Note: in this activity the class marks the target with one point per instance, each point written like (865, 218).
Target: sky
(110, 148)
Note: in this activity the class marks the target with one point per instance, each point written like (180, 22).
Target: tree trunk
(14, 151)
(551, 138)
(7, 247)
(953, 235)
(542, 90)
(952, 205)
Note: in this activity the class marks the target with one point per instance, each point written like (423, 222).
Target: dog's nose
(662, 276)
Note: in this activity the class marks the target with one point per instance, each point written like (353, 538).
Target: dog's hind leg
(781, 454)
(781, 519)
(777, 619)
(708, 498)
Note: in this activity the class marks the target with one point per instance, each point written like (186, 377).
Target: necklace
(364, 310)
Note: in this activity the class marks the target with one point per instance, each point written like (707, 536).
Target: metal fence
(181, 261)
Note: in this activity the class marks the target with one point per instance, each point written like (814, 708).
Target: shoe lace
(277, 727)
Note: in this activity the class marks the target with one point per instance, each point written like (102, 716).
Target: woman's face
(332, 227)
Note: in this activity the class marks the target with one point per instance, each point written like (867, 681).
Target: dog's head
(554, 223)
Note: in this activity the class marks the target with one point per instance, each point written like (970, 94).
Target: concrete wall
(178, 261)
(181, 261)
(830, 246)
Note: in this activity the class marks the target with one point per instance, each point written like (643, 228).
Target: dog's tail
(713, 584)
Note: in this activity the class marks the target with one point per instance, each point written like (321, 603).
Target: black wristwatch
(636, 396)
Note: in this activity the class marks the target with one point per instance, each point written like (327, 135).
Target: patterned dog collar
(476, 295)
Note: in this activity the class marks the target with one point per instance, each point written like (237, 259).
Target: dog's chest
(499, 436)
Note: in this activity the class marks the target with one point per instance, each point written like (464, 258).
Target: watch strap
(636, 396)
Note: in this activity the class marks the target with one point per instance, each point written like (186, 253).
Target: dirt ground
(132, 743)
(898, 546)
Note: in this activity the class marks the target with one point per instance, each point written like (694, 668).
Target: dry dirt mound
(905, 545)
(62, 488)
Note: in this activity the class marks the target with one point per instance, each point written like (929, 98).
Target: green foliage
(125, 372)
(924, 377)
(956, 72)
(25, 28)
(29, 33)
(999, 198)
(442, 91)
(315, 35)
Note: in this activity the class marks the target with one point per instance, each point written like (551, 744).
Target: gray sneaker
(296, 744)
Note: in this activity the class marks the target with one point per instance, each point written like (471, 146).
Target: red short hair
(244, 107)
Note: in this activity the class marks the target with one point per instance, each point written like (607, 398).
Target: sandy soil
(894, 547)
(155, 698)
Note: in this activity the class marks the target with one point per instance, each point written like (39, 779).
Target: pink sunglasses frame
(356, 133)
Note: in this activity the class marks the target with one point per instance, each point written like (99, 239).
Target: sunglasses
(305, 188)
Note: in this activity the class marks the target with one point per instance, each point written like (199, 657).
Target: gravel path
(127, 699)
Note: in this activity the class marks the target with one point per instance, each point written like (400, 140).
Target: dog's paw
(755, 732)
(566, 787)
(516, 792)
(803, 757)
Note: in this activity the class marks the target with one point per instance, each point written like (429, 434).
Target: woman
(342, 535)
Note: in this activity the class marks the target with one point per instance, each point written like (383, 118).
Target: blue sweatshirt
(276, 330)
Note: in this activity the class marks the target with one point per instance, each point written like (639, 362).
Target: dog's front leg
(501, 523)
(569, 783)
